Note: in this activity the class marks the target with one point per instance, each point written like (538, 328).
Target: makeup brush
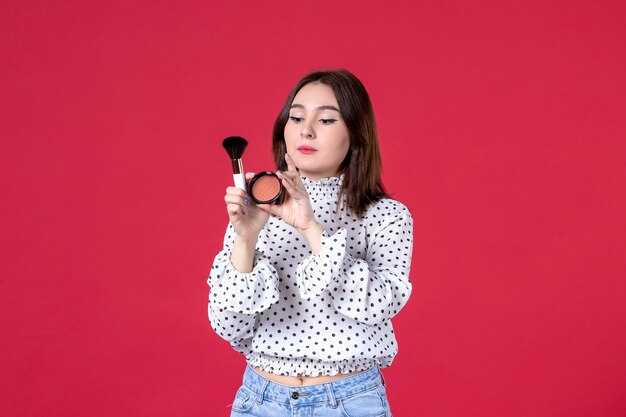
(235, 145)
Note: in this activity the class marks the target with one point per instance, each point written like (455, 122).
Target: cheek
(291, 131)
(344, 146)
(343, 142)
(288, 134)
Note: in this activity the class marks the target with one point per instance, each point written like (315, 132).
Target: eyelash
(323, 121)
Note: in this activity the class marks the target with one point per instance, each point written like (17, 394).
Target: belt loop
(331, 394)
(259, 400)
(382, 378)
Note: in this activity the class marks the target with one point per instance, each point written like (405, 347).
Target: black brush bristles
(235, 145)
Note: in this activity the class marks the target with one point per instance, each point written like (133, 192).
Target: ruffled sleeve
(236, 297)
(241, 292)
(370, 289)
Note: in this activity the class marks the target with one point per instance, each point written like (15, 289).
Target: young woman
(306, 289)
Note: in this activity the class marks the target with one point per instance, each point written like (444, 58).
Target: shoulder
(387, 207)
(386, 211)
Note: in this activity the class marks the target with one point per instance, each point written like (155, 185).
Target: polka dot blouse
(302, 314)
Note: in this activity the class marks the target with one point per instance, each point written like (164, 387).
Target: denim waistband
(327, 392)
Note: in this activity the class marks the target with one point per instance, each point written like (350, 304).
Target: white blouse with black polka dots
(303, 314)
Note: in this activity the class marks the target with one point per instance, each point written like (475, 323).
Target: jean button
(295, 395)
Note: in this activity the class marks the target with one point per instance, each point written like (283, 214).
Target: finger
(292, 174)
(236, 195)
(287, 179)
(265, 207)
(249, 175)
(291, 166)
(270, 208)
(295, 189)
(235, 209)
(237, 199)
(235, 191)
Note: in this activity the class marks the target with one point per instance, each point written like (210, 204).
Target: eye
(327, 121)
(296, 119)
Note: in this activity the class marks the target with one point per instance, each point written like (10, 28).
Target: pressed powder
(266, 188)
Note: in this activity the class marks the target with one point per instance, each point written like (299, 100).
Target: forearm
(313, 236)
(242, 255)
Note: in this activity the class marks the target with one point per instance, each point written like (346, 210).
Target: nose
(307, 131)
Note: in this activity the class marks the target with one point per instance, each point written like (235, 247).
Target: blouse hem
(311, 367)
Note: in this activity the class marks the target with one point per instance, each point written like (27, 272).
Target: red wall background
(502, 126)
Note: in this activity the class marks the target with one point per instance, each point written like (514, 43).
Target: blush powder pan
(266, 188)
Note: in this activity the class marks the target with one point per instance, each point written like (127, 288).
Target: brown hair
(362, 184)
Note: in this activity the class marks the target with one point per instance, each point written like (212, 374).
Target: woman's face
(316, 137)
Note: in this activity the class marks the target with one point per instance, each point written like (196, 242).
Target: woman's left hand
(296, 210)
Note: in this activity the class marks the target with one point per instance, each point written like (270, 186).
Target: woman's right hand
(246, 218)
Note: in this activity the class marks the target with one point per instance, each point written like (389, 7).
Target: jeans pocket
(244, 401)
(370, 403)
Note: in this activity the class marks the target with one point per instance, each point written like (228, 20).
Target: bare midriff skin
(298, 381)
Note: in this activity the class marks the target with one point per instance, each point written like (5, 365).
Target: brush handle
(240, 181)
(238, 174)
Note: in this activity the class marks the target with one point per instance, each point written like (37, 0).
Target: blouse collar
(324, 187)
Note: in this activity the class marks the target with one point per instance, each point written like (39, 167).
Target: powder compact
(266, 188)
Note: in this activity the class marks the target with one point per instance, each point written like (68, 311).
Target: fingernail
(246, 201)
(243, 213)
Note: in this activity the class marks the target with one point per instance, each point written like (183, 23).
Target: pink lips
(307, 149)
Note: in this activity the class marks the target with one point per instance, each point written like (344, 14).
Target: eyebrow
(300, 106)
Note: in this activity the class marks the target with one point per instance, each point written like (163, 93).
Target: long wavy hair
(362, 184)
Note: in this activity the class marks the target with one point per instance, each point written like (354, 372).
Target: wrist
(313, 228)
(245, 242)
(242, 254)
(313, 235)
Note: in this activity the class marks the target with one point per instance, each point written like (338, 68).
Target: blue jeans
(360, 395)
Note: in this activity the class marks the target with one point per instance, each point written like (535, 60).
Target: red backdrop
(502, 126)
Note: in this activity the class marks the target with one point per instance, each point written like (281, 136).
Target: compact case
(266, 188)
